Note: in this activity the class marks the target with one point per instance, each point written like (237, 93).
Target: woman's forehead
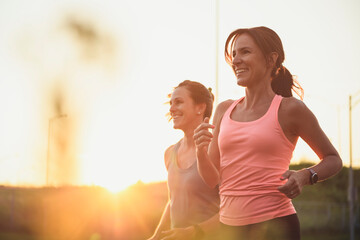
(244, 40)
(180, 92)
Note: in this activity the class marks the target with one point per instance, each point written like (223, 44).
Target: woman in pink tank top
(248, 152)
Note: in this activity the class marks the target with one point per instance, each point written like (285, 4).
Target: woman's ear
(200, 108)
(272, 59)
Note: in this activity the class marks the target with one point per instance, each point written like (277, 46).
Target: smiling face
(186, 115)
(248, 62)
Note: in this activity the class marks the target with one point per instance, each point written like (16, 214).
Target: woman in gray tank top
(192, 209)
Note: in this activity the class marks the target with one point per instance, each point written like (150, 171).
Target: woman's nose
(236, 60)
(172, 108)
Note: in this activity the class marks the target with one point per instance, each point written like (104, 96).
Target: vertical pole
(48, 154)
(217, 52)
(351, 183)
(48, 145)
(12, 209)
(339, 128)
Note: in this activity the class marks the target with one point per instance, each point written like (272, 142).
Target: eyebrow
(242, 48)
(176, 98)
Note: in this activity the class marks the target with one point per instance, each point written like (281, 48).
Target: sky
(84, 84)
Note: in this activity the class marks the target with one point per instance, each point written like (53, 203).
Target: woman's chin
(241, 82)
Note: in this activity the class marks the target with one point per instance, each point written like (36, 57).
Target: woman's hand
(203, 136)
(178, 234)
(207, 155)
(296, 181)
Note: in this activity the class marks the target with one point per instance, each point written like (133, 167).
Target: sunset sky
(98, 72)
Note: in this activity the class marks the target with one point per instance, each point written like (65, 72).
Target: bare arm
(207, 149)
(297, 120)
(163, 225)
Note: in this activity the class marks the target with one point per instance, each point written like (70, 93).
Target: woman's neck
(188, 139)
(258, 96)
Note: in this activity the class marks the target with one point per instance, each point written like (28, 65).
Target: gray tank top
(191, 200)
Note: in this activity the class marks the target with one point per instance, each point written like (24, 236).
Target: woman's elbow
(339, 164)
(212, 185)
(212, 182)
(215, 182)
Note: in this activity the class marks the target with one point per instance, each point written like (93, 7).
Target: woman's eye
(177, 102)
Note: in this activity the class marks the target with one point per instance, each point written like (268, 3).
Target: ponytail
(283, 83)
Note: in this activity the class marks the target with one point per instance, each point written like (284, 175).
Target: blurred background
(83, 92)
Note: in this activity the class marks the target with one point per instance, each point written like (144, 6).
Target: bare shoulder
(221, 109)
(294, 108)
(223, 106)
(167, 155)
(295, 114)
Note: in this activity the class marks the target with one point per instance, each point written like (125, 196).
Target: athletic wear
(253, 156)
(191, 200)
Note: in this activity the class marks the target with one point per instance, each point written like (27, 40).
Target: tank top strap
(274, 107)
(230, 109)
(173, 155)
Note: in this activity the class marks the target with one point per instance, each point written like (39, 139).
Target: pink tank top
(253, 156)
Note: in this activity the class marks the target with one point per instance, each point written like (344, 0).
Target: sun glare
(104, 174)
